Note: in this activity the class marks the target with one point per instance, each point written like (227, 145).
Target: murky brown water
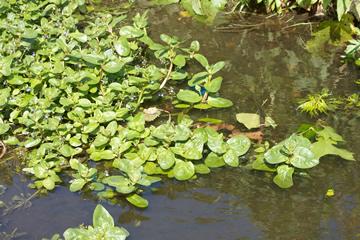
(265, 62)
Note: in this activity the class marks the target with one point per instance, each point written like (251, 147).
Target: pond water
(265, 62)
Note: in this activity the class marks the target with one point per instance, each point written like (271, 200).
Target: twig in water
(3, 150)
(167, 75)
(21, 203)
(298, 24)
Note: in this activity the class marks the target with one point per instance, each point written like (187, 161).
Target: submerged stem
(3, 150)
(167, 75)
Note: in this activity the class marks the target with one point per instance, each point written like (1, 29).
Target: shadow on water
(266, 63)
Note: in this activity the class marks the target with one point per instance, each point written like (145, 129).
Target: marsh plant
(299, 152)
(73, 82)
(103, 228)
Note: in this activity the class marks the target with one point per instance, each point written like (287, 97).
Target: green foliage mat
(73, 81)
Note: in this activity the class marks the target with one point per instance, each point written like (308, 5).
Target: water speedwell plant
(72, 84)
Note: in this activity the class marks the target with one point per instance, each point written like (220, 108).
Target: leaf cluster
(298, 153)
(72, 83)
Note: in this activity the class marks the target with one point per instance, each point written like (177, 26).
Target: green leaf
(220, 4)
(137, 123)
(214, 161)
(210, 120)
(179, 60)
(77, 233)
(138, 201)
(32, 143)
(342, 7)
(214, 85)
(284, 176)
(304, 158)
(259, 164)
(122, 47)
(102, 218)
(122, 184)
(219, 102)
(202, 106)
(113, 67)
(188, 96)
(202, 60)
(183, 170)
(90, 127)
(239, 144)
(92, 58)
(30, 34)
(48, 183)
(231, 158)
(67, 151)
(325, 147)
(202, 168)
(102, 155)
(182, 133)
(4, 128)
(274, 155)
(77, 184)
(165, 158)
(216, 142)
(81, 37)
(100, 140)
(217, 67)
(131, 32)
(108, 116)
(329, 134)
(250, 120)
(196, 6)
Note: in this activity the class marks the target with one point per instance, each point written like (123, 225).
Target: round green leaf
(188, 96)
(304, 158)
(122, 47)
(165, 158)
(179, 60)
(219, 102)
(284, 176)
(214, 85)
(231, 158)
(183, 170)
(239, 144)
(48, 183)
(274, 155)
(77, 184)
(202, 168)
(250, 120)
(214, 161)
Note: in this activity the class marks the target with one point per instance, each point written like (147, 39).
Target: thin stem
(3, 150)
(298, 24)
(167, 75)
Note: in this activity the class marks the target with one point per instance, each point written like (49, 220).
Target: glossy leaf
(283, 177)
(188, 96)
(250, 120)
(183, 170)
(137, 201)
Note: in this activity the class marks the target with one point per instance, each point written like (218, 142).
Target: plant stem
(3, 150)
(167, 75)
